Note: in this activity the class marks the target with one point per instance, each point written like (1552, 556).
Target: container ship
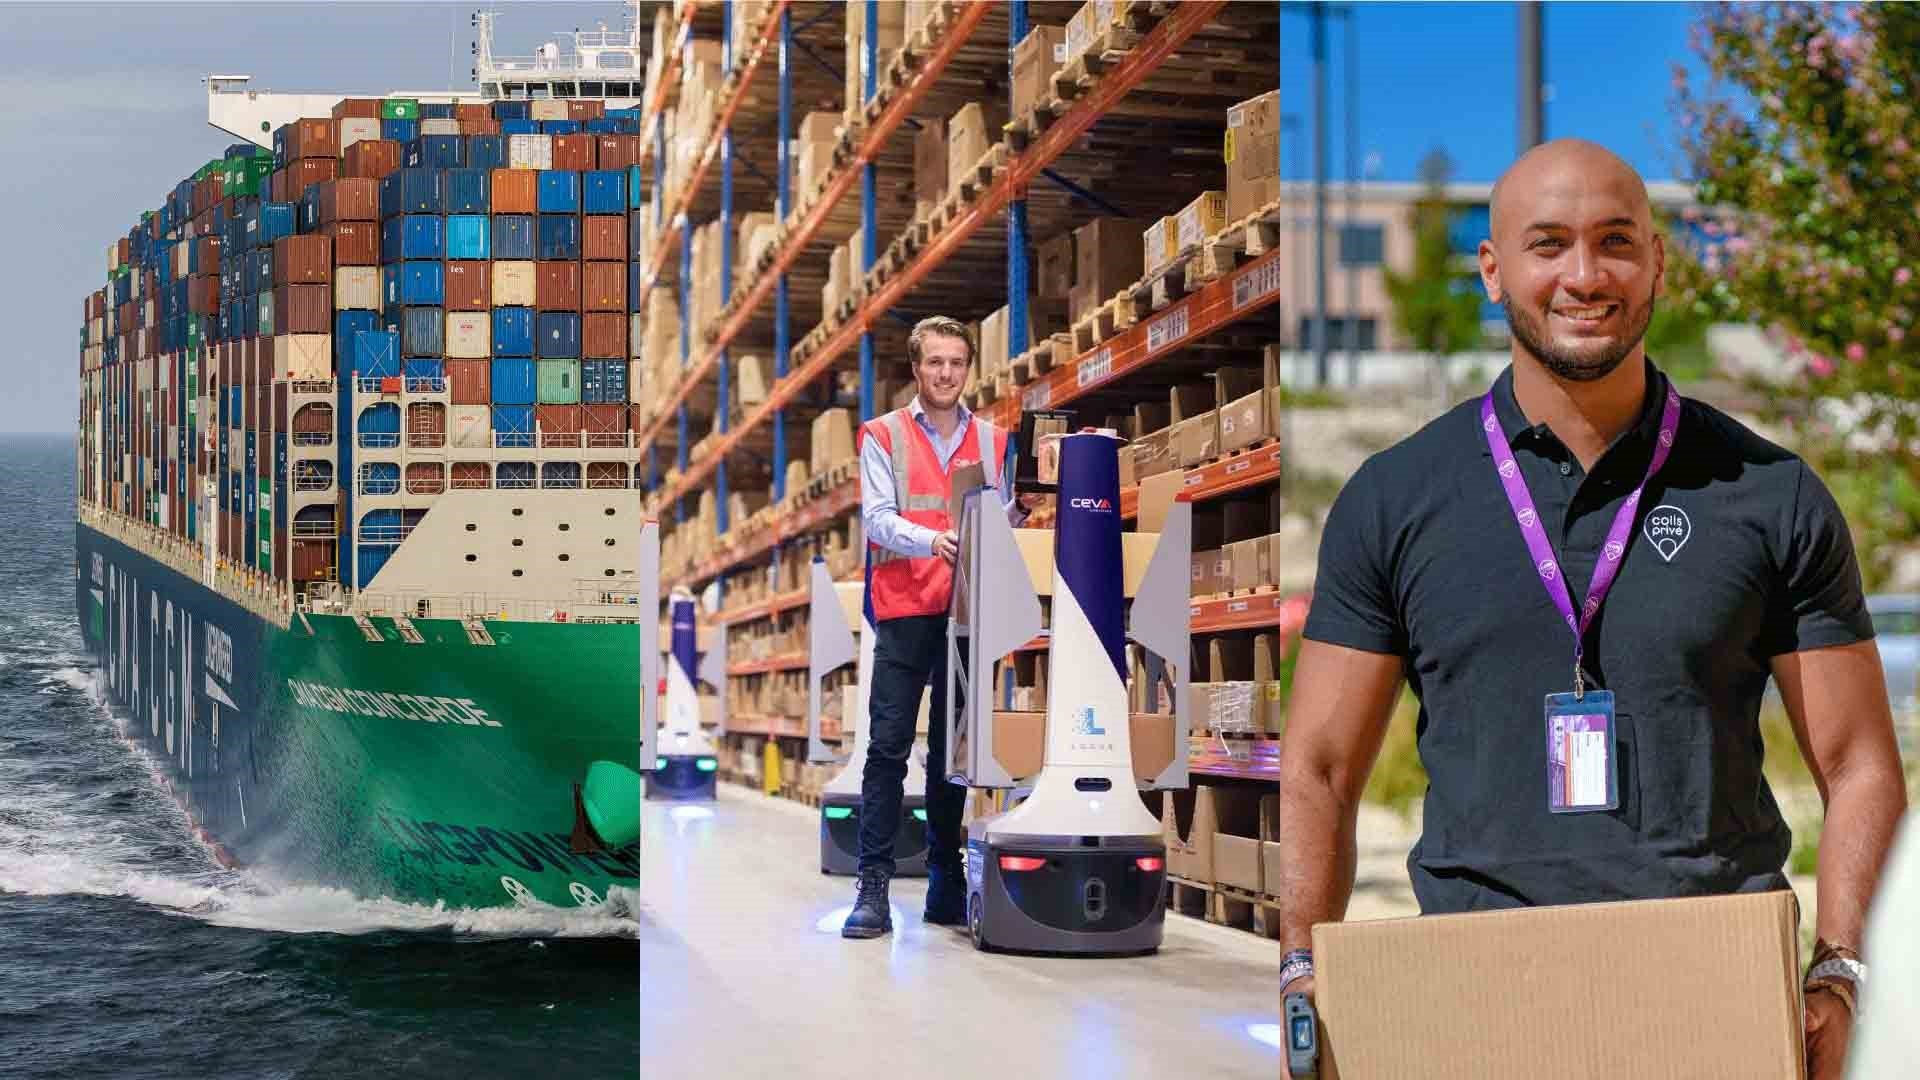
(359, 525)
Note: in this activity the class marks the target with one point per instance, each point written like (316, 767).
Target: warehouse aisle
(743, 973)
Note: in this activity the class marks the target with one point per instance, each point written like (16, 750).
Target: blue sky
(1446, 73)
(105, 111)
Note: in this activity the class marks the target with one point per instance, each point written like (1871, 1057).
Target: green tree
(1802, 144)
(1436, 302)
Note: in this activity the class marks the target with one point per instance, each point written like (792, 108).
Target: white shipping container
(469, 335)
(303, 357)
(113, 256)
(356, 288)
(549, 109)
(470, 427)
(148, 312)
(635, 380)
(354, 129)
(513, 283)
(636, 329)
(530, 151)
(180, 260)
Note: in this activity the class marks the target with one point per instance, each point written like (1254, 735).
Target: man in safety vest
(907, 461)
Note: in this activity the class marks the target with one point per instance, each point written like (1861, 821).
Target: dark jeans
(907, 652)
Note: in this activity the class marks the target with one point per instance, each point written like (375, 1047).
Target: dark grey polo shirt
(1422, 558)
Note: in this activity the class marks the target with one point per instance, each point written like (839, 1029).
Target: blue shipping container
(467, 236)
(603, 382)
(605, 191)
(512, 332)
(559, 236)
(423, 367)
(604, 125)
(376, 355)
(513, 236)
(559, 192)
(512, 110)
(513, 384)
(559, 127)
(412, 236)
(372, 558)
(559, 335)
(271, 222)
(416, 284)
(636, 191)
(435, 152)
(423, 331)
(345, 325)
(402, 131)
(513, 424)
(412, 191)
(310, 208)
(438, 110)
(486, 151)
(467, 191)
(519, 126)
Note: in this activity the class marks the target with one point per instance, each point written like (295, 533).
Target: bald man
(1587, 581)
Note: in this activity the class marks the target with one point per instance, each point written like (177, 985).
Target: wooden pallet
(1244, 910)
(1190, 898)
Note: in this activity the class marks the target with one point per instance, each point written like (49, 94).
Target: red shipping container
(472, 111)
(208, 257)
(606, 474)
(426, 478)
(603, 336)
(634, 420)
(312, 560)
(308, 171)
(472, 474)
(203, 295)
(480, 127)
(515, 191)
(573, 152)
(352, 198)
(355, 243)
(372, 159)
(584, 109)
(426, 424)
(469, 287)
(123, 249)
(556, 285)
(302, 309)
(603, 237)
(617, 151)
(277, 185)
(312, 138)
(279, 549)
(603, 286)
(558, 419)
(280, 406)
(470, 382)
(302, 260)
(604, 419)
(357, 109)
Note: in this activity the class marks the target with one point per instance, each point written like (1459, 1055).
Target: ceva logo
(1103, 506)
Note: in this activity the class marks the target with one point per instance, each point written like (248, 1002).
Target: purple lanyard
(1618, 536)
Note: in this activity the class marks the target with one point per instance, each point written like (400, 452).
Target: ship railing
(370, 486)
(311, 386)
(513, 440)
(514, 483)
(609, 440)
(384, 534)
(425, 485)
(313, 438)
(309, 479)
(426, 384)
(375, 384)
(426, 440)
(599, 483)
(314, 530)
(569, 439)
(377, 440)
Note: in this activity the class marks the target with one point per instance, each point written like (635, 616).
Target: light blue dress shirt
(879, 503)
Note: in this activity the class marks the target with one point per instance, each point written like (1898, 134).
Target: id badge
(1581, 772)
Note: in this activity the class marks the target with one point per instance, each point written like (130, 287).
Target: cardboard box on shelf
(751, 379)
(832, 439)
(1199, 219)
(1106, 257)
(1197, 439)
(971, 132)
(1190, 819)
(1156, 498)
(1080, 32)
(1157, 245)
(1127, 477)
(1236, 850)
(1041, 53)
(1153, 454)
(1251, 150)
(1435, 996)
(890, 32)
(929, 166)
(993, 342)
(1202, 573)
(1054, 274)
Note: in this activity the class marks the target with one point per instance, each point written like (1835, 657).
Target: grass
(1398, 781)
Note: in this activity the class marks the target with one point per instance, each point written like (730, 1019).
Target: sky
(105, 111)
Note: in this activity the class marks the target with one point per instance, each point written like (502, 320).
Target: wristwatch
(1840, 967)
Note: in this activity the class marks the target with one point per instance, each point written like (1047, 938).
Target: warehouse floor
(743, 973)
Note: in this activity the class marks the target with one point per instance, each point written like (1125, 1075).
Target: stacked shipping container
(428, 284)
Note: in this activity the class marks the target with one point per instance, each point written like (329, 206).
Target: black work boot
(946, 896)
(871, 916)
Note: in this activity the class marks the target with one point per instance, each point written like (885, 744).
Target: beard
(1589, 362)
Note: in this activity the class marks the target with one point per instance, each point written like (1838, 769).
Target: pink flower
(1820, 365)
(1900, 146)
(1896, 335)
(1902, 276)
(1856, 352)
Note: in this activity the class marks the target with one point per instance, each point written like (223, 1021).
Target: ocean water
(127, 951)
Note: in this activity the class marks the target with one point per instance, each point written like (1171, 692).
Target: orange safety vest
(900, 585)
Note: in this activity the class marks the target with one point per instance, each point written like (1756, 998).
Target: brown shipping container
(302, 260)
(603, 335)
(203, 295)
(426, 424)
(280, 406)
(313, 138)
(584, 109)
(617, 151)
(604, 419)
(357, 109)
(312, 559)
(470, 381)
(573, 152)
(634, 421)
(209, 253)
(308, 171)
(355, 243)
(473, 111)
(468, 286)
(425, 478)
(472, 474)
(556, 285)
(316, 418)
(302, 309)
(351, 198)
(606, 474)
(603, 237)
(515, 191)
(372, 159)
(604, 286)
(558, 419)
